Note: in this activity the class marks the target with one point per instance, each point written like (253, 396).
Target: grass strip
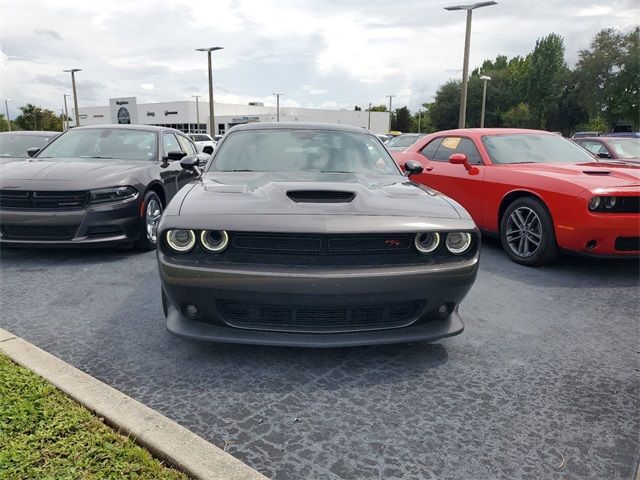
(46, 435)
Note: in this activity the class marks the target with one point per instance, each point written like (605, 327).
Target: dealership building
(193, 117)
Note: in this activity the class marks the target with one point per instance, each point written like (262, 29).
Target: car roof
(329, 127)
(32, 133)
(490, 131)
(152, 128)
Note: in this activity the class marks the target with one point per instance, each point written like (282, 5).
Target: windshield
(297, 150)
(403, 140)
(534, 148)
(17, 145)
(99, 143)
(625, 147)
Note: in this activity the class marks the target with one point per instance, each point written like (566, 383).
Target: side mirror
(191, 163)
(461, 159)
(175, 155)
(32, 151)
(604, 155)
(413, 168)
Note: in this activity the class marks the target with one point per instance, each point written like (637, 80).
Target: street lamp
(277, 105)
(211, 117)
(369, 120)
(6, 106)
(66, 111)
(465, 66)
(197, 112)
(75, 94)
(390, 97)
(485, 79)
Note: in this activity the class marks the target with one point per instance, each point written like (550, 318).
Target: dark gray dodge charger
(310, 235)
(93, 186)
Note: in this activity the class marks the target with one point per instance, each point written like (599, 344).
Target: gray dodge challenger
(310, 235)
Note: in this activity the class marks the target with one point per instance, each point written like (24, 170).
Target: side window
(170, 143)
(430, 149)
(451, 145)
(594, 147)
(186, 145)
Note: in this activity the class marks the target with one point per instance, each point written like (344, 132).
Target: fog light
(591, 244)
(443, 310)
(190, 310)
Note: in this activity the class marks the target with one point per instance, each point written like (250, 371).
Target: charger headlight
(112, 194)
(180, 241)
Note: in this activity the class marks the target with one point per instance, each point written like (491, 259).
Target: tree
(401, 120)
(379, 108)
(608, 76)
(357, 109)
(446, 106)
(37, 118)
(519, 117)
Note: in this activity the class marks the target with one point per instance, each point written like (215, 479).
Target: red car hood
(588, 175)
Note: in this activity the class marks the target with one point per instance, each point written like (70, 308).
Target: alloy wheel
(524, 232)
(153, 214)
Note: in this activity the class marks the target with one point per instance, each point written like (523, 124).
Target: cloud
(48, 33)
(147, 86)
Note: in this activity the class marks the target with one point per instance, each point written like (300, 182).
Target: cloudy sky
(318, 53)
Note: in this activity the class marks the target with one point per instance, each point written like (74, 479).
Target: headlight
(594, 203)
(214, 240)
(609, 202)
(181, 240)
(112, 194)
(458, 242)
(427, 242)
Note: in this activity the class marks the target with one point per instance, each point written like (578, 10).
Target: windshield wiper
(336, 171)
(513, 163)
(239, 170)
(92, 156)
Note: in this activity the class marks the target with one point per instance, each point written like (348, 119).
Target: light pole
(485, 79)
(211, 117)
(75, 94)
(369, 120)
(277, 94)
(197, 111)
(462, 117)
(6, 106)
(390, 97)
(66, 112)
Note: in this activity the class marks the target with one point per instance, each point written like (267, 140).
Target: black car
(92, 186)
(15, 145)
(310, 235)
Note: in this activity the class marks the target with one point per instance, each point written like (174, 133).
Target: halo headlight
(181, 241)
(458, 242)
(214, 240)
(427, 242)
(594, 203)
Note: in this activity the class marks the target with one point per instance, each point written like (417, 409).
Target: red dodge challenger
(539, 192)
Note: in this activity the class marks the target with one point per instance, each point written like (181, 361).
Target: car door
(454, 180)
(171, 173)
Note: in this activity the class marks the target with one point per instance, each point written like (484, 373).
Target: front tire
(527, 233)
(151, 213)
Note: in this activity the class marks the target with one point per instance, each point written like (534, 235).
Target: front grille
(44, 200)
(286, 318)
(627, 205)
(628, 244)
(320, 196)
(31, 232)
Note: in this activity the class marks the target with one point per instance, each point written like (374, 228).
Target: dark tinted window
(430, 149)
(451, 145)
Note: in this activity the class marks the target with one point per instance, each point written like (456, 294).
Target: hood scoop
(597, 172)
(320, 196)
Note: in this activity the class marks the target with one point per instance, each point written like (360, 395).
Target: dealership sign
(124, 111)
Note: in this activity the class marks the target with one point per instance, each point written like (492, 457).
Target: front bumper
(327, 289)
(109, 223)
(601, 234)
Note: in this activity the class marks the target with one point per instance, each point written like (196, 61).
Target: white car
(204, 143)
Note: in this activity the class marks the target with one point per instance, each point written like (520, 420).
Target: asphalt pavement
(543, 383)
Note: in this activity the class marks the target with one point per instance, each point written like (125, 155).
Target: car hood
(587, 175)
(260, 193)
(69, 174)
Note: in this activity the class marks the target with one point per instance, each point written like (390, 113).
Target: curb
(164, 438)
